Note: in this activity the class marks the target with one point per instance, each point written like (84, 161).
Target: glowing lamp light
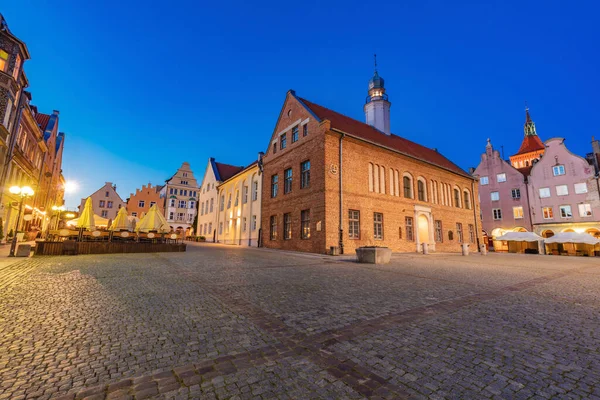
(23, 191)
(70, 186)
(579, 230)
(70, 215)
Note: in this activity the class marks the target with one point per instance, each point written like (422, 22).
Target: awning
(572, 237)
(520, 237)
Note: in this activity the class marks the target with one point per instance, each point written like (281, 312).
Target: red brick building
(332, 181)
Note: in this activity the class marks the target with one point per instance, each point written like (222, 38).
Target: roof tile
(226, 171)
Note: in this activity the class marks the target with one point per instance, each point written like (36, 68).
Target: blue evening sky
(144, 85)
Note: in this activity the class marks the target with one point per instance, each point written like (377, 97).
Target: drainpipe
(341, 242)
(529, 205)
(475, 214)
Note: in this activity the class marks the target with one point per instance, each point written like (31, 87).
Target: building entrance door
(423, 229)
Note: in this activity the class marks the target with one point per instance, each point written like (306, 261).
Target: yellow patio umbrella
(121, 221)
(153, 221)
(86, 218)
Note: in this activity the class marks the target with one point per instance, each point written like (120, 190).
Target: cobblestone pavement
(227, 322)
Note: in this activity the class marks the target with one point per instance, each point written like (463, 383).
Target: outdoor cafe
(92, 234)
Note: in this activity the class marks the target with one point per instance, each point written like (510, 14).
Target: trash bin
(334, 251)
(425, 248)
(483, 249)
(465, 249)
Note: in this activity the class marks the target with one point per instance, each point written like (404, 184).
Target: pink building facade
(502, 195)
(563, 192)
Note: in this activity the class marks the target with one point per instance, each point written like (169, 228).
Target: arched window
(467, 199)
(527, 163)
(397, 182)
(370, 177)
(376, 178)
(421, 190)
(407, 184)
(391, 181)
(456, 198)
(382, 179)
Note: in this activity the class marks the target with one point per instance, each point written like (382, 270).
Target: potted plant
(373, 254)
(202, 238)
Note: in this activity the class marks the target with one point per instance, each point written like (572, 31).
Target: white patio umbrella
(153, 221)
(86, 218)
(520, 237)
(121, 221)
(572, 237)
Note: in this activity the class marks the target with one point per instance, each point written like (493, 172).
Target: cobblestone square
(220, 322)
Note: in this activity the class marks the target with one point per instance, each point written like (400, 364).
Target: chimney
(595, 145)
(55, 112)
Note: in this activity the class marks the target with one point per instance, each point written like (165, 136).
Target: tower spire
(529, 127)
(377, 107)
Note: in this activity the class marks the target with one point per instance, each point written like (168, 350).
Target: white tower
(377, 108)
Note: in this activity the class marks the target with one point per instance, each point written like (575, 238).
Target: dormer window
(3, 60)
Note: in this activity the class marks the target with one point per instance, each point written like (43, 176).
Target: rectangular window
(495, 196)
(287, 226)
(182, 203)
(353, 224)
(274, 148)
(16, 68)
(501, 177)
(109, 204)
(305, 224)
(229, 201)
(3, 60)
(222, 206)
(184, 182)
(244, 194)
(581, 188)
(459, 232)
(305, 130)
(152, 203)
(254, 222)
(244, 224)
(547, 213)
(210, 232)
(471, 233)
(585, 210)
(237, 198)
(104, 214)
(254, 190)
(134, 214)
(273, 227)
(287, 182)
(544, 193)
(171, 215)
(439, 234)
(518, 212)
(410, 233)
(497, 214)
(305, 174)
(283, 141)
(558, 170)
(295, 134)
(378, 226)
(516, 193)
(562, 190)
(565, 212)
(106, 194)
(484, 180)
(141, 203)
(220, 228)
(102, 203)
(274, 185)
(211, 204)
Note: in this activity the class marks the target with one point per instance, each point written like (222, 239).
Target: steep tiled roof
(369, 133)
(241, 170)
(226, 171)
(525, 170)
(42, 120)
(530, 143)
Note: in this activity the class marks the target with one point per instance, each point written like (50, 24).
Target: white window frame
(484, 180)
(501, 177)
(544, 213)
(562, 190)
(580, 188)
(560, 169)
(583, 207)
(497, 196)
(545, 190)
(497, 214)
(518, 215)
(564, 208)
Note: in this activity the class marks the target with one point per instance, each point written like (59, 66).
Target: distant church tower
(377, 109)
(532, 148)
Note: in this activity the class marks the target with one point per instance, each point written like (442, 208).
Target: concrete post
(425, 249)
(465, 249)
(483, 249)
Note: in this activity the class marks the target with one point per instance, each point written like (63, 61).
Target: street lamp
(58, 210)
(23, 192)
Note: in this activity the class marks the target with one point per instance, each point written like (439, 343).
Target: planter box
(373, 255)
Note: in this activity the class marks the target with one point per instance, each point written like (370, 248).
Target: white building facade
(239, 208)
(181, 198)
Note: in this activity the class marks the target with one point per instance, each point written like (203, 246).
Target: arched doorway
(568, 230)
(547, 233)
(594, 232)
(423, 229)
(520, 229)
